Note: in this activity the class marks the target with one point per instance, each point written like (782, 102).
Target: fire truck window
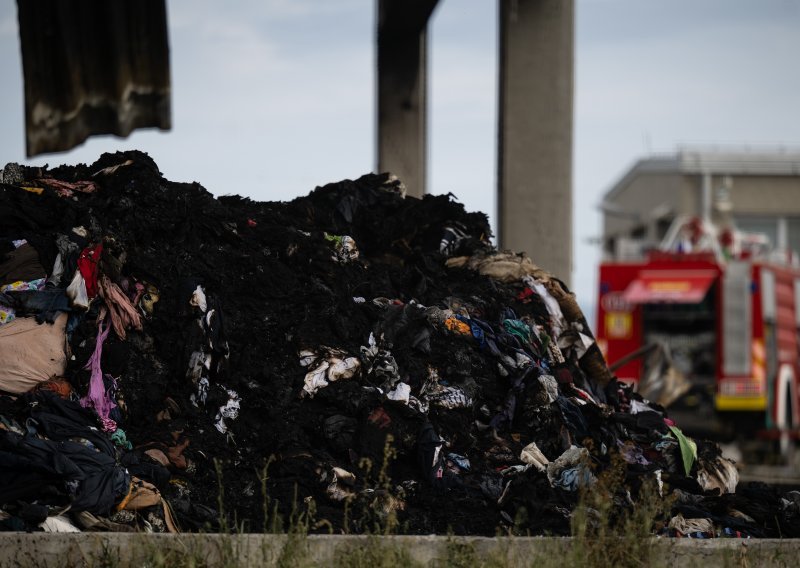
(611, 244)
(793, 224)
(638, 232)
(769, 309)
(662, 226)
(763, 225)
(689, 330)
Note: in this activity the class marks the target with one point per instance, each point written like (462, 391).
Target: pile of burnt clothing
(356, 353)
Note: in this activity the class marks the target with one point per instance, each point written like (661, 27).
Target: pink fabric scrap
(123, 313)
(67, 189)
(139, 293)
(97, 397)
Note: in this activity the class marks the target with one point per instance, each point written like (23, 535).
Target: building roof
(778, 162)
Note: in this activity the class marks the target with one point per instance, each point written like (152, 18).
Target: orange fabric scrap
(58, 385)
(140, 496)
(458, 326)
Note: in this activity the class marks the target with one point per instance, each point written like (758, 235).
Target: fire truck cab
(728, 315)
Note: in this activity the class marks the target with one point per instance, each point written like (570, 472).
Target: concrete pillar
(535, 131)
(402, 90)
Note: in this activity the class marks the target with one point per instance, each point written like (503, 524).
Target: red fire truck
(728, 315)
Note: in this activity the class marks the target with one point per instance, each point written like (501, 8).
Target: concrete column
(402, 90)
(535, 131)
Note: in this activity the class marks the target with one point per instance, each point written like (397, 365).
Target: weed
(459, 553)
(373, 552)
(272, 522)
(609, 528)
(223, 521)
(108, 557)
(295, 553)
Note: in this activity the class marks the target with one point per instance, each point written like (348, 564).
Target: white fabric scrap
(344, 475)
(348, 250)
(450, 397)
(58, 524)
(420, 406)
(110, 170)
(532, 455)
(337, 489)
(202, 392)
(574, 456)
(550, 387)
(58, 271)
(638, 406)
(436, 452)
(370, 351)
(307, 357)
(76, 291)
(197, 362)
(721, 474)
(342, 368)
(199, 299)
(522, 360)
(229, 410)
(575, 339)
(557, 321)
(316, 379)
(335, 368)
(401, 393)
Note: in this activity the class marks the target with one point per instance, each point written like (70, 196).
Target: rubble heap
(361, 356)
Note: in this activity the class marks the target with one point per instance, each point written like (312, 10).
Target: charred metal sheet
(92, 67)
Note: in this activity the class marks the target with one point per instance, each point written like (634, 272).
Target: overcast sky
(274, 97)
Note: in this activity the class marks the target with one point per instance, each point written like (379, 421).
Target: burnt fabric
(61, 420)
(92, 67)
(75, 465)
(144, 467)
(44, 305)
(431, 457)
(21, 263)
(91, 478)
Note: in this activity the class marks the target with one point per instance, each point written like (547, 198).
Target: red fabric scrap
(87, 264)
(526, 293)
(379, 418)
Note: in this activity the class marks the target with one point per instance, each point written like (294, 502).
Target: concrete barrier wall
(129, 550)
